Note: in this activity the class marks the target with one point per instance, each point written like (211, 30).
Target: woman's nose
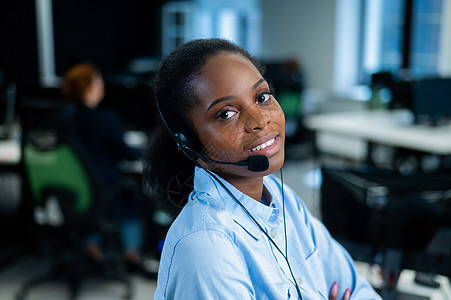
(256, 119)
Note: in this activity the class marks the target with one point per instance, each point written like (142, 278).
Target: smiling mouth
(264, 145)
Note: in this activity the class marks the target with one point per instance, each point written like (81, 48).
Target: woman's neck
(251, 186)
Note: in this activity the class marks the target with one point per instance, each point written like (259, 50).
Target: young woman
(242, 234)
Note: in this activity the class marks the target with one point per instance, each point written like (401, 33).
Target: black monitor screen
(384, 208)
(432, 99)
(7, 110)
(2, 109)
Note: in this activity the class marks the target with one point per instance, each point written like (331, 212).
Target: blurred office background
(365, 86)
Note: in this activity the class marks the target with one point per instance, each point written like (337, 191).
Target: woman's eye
(263, 97)
(226, 114)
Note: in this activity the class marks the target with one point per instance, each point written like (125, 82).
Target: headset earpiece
(180, 139)
(183, 145)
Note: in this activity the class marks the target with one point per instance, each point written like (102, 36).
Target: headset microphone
(254, 163)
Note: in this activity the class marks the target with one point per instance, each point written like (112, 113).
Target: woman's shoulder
(97, 115)
(197, 219)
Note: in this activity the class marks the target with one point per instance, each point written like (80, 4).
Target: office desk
(391, 128)
(10, 153)
(137, 140)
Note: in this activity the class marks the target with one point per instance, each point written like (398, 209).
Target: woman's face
(237, 115)
(95, 92)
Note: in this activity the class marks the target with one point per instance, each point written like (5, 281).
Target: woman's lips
(263, 145)
(266, 148)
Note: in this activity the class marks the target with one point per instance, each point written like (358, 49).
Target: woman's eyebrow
(219, 100)
(222, 99)
(258, 83)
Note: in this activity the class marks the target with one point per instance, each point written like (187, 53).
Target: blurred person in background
(101, 134)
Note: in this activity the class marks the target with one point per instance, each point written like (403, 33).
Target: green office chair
(287, 80)
(65, 192)
(68, 202)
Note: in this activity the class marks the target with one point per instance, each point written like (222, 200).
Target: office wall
(303, 29)
(18, 50)
(105, 32)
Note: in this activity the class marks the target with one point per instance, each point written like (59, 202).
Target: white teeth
(264, 145)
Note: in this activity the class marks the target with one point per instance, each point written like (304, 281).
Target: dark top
(101, 133)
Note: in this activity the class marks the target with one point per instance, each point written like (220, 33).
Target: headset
(254, 163)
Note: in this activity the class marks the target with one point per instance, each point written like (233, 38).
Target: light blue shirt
(214, 250)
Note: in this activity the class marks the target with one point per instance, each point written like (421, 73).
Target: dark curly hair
(175, 88)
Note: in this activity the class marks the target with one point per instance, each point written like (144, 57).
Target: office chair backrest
(64, 187)
(58, 168)
(59, 181)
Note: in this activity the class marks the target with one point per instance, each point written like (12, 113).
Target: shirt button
(298, 280)
(273, 234)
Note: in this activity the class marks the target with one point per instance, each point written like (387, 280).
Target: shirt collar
(215, 195)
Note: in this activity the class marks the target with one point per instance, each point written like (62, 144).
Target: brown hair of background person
(83, 83)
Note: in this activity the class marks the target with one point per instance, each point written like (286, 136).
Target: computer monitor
(432, 100)
(7, 110)
(380, 209)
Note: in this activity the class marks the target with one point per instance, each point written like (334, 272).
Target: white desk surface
(10, 152)
(391, 128)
